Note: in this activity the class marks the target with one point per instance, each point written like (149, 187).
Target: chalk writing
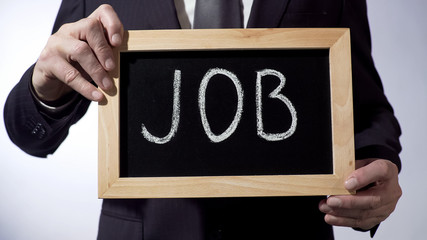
(175, 114)
(202, 104)
(275, 94)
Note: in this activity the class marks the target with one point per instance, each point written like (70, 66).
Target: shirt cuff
(55, 109)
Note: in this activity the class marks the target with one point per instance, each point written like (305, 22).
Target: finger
(106, 15)
(383, 211)
(81, 52)
(353, 222)
(377, 171)
(368, 199)
(91, 31)
(72, 77)
(365, 219)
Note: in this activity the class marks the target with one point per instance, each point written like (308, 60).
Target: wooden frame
(111, 185)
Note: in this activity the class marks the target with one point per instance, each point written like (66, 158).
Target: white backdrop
(56, 198)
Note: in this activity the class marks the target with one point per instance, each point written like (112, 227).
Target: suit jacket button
(39, 131)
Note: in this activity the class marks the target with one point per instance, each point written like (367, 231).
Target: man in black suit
(56, 92)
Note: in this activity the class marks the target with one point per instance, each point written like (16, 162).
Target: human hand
(77, 53)
(378, 190)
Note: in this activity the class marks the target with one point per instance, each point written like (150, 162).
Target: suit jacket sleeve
(377, 131)
(34, 132)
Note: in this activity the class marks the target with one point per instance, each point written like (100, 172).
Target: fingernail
(325, 208)
(334, 202)
(109, 64)
(116, 39)
(97, 95)
(106, 82)
(351, 184)
(330, 219)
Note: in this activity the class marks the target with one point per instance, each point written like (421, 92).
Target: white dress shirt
(185, 11)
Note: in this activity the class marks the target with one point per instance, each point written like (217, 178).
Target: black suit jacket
(376, 130)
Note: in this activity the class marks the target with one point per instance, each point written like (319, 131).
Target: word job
(275, 94)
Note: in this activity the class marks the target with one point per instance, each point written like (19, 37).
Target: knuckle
(358, 223)
(70, 76)
(396, 194)
(393, 168)
(399, 192)
(115, 25)
(391, 209)
(108, 10)
(92, 24)
(388, 168)
(352, 202)
(105, 7)
(64, 28)
(102, 49)
(364, 215)
(386, 214)
(376, 220)
(381, 218)
(375, 203)
(80, 48)
(53, 39)
(45, 55)
(367, 220)
(383, 167)
(50, 50)
(97, 69)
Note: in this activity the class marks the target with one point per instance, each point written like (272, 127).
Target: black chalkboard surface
(147, 90)
(228, 113)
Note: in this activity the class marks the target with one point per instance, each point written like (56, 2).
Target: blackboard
(147, 98)
(208, 113)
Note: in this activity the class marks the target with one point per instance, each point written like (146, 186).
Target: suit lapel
(267, 13)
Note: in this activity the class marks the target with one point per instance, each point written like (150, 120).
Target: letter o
(202, 104)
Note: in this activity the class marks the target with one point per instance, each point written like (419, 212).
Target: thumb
(377, 171)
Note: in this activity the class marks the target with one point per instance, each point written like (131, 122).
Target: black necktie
(218, 14)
